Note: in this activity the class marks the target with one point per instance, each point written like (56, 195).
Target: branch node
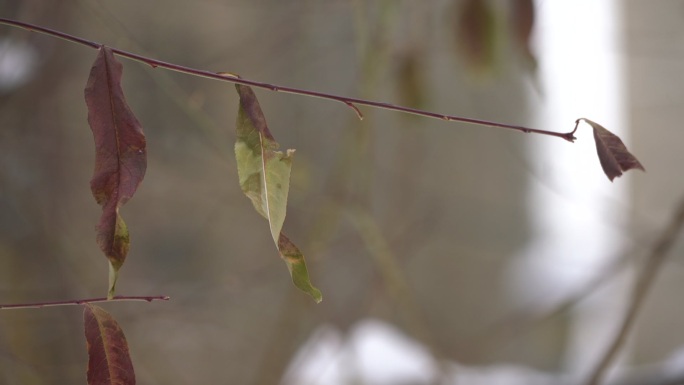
(356, 109)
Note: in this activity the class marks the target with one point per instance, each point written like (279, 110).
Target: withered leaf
(120, 156)
(613, 155)
(265, 179)
(109, 362)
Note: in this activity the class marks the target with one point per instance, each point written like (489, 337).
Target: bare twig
(523, 321)
(118, 298)
(350, 102)
(643, 283)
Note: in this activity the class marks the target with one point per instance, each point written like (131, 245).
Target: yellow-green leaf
(297, 266)
(264, 175)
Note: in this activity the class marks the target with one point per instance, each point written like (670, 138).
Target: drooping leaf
(109, 362)
(612, 153)
(120, 157)
(264, 172)
(264, 176)
(476, 33)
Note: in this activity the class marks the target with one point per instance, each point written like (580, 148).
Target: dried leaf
(265, 179)
(109, 362)
(120, 156)
(612, 153)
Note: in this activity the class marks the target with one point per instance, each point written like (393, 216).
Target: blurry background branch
(644, 281)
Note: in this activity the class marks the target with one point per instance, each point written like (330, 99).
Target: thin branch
(643, 283)
(569, 136)
(118, 298)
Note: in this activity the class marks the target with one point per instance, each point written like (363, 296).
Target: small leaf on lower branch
(613, 155)
(109, 362)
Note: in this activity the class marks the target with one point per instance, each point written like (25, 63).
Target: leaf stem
(118, 298)
(349, 101)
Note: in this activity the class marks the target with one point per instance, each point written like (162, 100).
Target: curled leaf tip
(294, 259)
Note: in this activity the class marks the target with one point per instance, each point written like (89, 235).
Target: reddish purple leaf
(109, 362)
(120, 156)
(612, 153)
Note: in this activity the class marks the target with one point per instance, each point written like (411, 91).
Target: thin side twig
(643, 283)
(118, 298)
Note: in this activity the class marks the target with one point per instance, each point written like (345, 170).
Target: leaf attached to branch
(612, 153)
(109, 362)
(120, 157)
(264, 176)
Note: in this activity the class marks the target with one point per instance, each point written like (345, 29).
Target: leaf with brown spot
(120, 157)
(612, 153)
(264, 175)
(109, 362)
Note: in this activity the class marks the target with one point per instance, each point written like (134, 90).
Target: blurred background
(446, 253)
